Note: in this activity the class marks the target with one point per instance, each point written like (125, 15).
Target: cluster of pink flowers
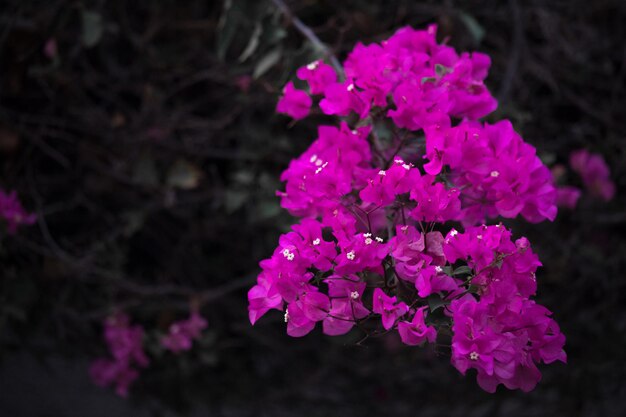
(13, 213)
(595, 176)
(375, 247)
(182, 333)
(125, 344)
(503, 334)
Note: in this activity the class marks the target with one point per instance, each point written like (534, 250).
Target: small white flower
(319, 162)
(350, 255)
(350, 87)
(313, 158)
(288, 254)
(495, 174)
(382, 172)
(379, 239)
(438, 268)
(474, 356)
(367, 235)
(406, 166)
(318, 170)
(453, 232)
(312, 65)
(316, 242)
(354, 295)
(368, 241)
(479, 237)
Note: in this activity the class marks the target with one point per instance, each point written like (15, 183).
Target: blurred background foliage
(143, 136)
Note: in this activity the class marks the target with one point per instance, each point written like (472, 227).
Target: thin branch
(309, 34)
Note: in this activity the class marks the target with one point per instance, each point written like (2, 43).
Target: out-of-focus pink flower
(50, 49)
(594, 172)
(567, 196)
(13, 213)
(243, 83)
(182, 333)
(125, 343)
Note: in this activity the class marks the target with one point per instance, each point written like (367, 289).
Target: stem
(309, 35)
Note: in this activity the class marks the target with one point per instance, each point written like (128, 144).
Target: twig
(309, 34)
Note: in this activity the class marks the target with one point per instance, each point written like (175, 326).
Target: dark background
(148, 147)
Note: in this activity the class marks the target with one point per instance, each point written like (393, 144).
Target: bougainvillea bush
(399, 201)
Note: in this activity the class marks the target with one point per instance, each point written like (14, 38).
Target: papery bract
(293, 102)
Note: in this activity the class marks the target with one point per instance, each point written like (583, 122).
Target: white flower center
(350, 255)
(354, 295)
(474, 356)
(316, 242)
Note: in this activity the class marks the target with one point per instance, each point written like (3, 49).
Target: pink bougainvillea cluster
(125, 343)
(182, 333)
(383, 197)
(595, 175)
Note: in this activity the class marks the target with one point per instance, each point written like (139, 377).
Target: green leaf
(462, 270)
(442, 70)
(268, 209)
(234, 200)
(253, 43)
(435, 302)
(267, 62)
(226, 29)
(92, 28)
(475, 29)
